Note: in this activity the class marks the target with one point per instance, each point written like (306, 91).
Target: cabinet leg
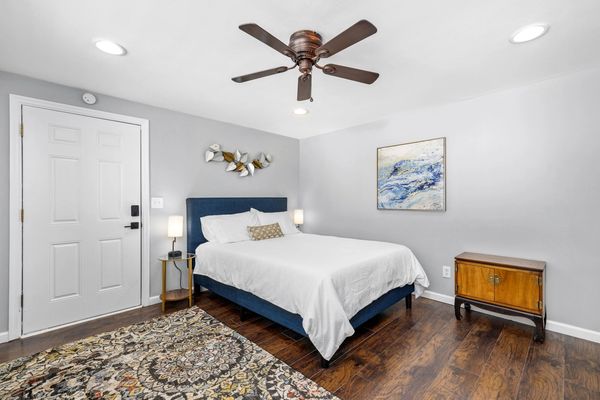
(164, 285)
(467, 307)
(457, 303)
(540, 330)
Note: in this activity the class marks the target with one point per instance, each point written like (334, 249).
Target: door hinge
(540, 280)
(21, 301)
(22, 215)
(456, 268)
(456, 288)
(21, 130)
(540, 305)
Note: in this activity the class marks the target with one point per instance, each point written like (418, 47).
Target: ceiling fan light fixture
(300, 111)
(110, 47)
(528, 33)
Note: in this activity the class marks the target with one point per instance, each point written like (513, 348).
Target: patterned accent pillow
(262, 232)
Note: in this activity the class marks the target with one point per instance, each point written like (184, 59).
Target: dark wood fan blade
(260, 74)
(268, 39)
(357, 32)
(358, 75)
(304, 87)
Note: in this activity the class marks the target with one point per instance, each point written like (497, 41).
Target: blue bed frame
(203, 206)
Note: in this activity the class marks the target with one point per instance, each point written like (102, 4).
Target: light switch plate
(157, 202)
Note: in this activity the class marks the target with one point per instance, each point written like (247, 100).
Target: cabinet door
(475, 281)
(518, 289)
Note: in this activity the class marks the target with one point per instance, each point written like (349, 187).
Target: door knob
(133, 225)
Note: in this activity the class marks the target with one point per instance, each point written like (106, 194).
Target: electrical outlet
(446, 271)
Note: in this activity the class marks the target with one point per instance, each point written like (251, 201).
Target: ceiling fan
(306, 49)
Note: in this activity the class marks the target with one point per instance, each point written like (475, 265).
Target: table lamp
(298, 217)
(175, 230)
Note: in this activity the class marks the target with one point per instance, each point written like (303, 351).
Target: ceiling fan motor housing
(305, 43)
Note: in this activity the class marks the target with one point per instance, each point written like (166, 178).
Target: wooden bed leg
(324, 363)
(408, 301)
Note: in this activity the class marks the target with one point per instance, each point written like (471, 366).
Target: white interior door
(81, 175)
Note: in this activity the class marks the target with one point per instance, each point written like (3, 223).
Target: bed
(296, 281)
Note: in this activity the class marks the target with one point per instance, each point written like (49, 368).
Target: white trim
(553, 326)
(78, 322)
(575, 331)
(154, 300)
(15, 200)
(3, 337)
(14, 237)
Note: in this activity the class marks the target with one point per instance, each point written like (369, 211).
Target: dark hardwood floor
(423, 353)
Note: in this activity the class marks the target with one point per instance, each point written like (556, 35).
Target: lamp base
(174, 254)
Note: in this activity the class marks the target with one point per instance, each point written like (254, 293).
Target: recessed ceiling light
(300, 111)
(110, 47)
(529, 32)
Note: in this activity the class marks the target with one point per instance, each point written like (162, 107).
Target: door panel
(475, 281)
(519, 289)
(80, 177)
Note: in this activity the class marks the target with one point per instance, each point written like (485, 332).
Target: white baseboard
(3, 337)
(154, 300)
(554, 326)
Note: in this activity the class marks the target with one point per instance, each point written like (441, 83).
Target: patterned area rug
(185, 355)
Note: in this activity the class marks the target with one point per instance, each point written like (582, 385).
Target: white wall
(177, 167)
(523, 180)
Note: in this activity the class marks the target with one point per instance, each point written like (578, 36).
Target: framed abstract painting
(412, 176)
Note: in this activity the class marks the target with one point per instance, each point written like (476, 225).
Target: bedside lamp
(175, 230)
(298, 217)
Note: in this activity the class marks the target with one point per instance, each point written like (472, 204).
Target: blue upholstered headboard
(199, 207)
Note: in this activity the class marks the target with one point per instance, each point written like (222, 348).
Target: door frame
(15, 266)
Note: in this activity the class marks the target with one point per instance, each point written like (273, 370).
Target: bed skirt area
(294, 321)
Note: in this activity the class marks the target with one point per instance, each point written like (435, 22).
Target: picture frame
(412, 176)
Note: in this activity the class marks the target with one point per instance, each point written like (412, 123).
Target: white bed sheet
(324, 279)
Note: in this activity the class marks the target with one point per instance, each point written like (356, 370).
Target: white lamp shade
(299, 217)
(175, 226)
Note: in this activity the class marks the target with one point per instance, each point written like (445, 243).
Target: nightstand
(178, 294)
(507, 285)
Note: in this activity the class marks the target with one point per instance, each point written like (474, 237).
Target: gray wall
(177, 170)
(523, 179)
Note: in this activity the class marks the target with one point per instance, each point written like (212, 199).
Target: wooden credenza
(507, 285)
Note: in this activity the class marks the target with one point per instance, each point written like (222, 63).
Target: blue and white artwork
(412, 176)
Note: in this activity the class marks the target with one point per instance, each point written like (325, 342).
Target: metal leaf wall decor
(237, 161)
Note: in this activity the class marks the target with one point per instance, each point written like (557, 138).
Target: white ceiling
(182, 53)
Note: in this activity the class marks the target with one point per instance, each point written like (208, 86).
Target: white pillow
(284, 219)
(228, 228)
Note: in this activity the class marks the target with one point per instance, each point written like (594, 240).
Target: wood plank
(384, 359)
(451, 383)
(311, 365)
(502, 374)
(358, 388)
(474, 351)
(582, 365)
(544, 372)
(419, 366)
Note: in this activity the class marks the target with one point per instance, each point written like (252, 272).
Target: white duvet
(324, 279)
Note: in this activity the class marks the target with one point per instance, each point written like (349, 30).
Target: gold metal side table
(178, 294)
